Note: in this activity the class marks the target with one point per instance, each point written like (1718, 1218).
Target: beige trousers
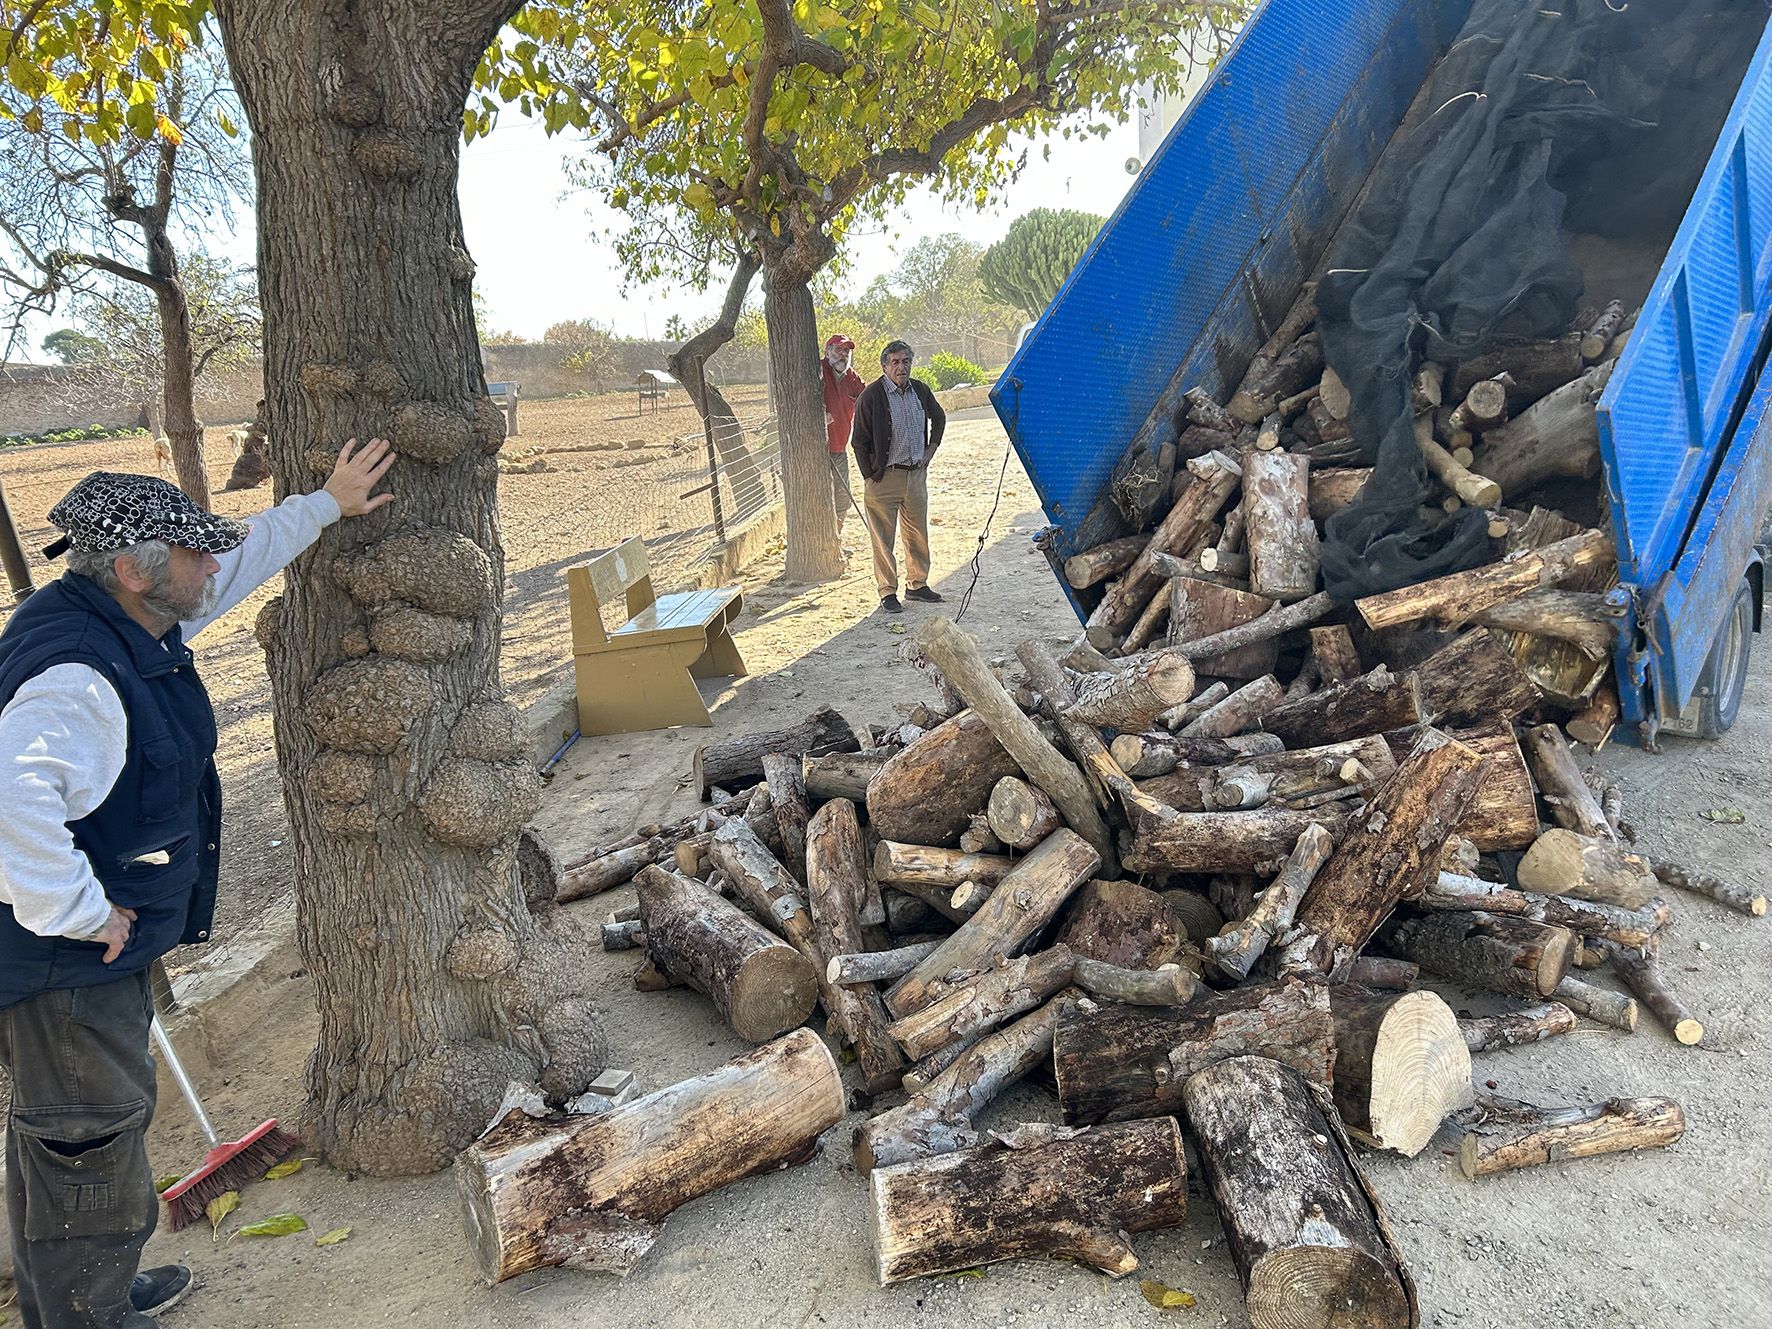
(899, 501)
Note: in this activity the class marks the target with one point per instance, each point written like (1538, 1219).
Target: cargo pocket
(85, 1170)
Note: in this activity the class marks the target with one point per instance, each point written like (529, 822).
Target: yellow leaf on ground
(1164, 1297)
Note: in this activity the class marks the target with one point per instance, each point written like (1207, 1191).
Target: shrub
(948, 370)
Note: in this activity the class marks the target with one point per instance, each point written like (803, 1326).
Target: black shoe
(924, 594)
(156, 1290)
(889, 605)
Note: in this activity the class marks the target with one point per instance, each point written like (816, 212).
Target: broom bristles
(227, 1168)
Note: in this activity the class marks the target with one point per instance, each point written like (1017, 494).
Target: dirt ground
(1676, 1238)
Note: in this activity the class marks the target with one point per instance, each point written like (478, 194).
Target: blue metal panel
(1212, 243)
(1667, 413)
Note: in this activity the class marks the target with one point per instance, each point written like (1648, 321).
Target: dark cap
(107, 511)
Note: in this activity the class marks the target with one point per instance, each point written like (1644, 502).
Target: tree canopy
(1028, 265)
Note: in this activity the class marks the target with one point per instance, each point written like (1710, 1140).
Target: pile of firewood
(1189, 869)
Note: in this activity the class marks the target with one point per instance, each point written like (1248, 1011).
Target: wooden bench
(642, 675)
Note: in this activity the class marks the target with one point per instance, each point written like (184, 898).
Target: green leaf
(220, 1207)
(333, 1237)
(1164, 1297)
(1724, 816)
(284, 1169)
(277, 1225)
(164, 1184)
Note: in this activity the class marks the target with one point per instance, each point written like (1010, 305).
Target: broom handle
(185, 1086)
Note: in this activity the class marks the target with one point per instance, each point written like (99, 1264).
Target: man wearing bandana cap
(108, 857)
(842, 385)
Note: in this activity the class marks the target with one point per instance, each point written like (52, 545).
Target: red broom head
(228, 1167)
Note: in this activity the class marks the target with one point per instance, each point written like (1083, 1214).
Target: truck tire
(1725, 673)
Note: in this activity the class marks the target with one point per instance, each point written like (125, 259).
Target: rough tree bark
(813, 553)
(405, 771)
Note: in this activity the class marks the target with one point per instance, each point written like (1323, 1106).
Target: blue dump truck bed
(1235, 213)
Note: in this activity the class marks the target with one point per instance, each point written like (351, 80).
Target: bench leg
(627, 692)
(722, 659)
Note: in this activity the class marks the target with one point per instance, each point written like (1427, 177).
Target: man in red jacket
(842, 385)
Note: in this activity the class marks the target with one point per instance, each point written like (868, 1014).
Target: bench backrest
(501, 389)
(623, 570)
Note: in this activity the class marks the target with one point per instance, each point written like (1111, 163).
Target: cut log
(1205, 412)
(1593, 724)
(1742, 899)
(787, 795)
(1627, 927)
(1333, 489)
(1360, 764)
(1139, 489)
(1144, 755)
(1536, 368)
(979, 838)
(1510, 1135)
(1484, 407)
(1310, 1239)
(1200, 609)
(836, 881)
(938, 1118)
(1206, 842)
(1269, 626)
(761, 986)
(908, 865)
(1560, 862)
(1120, 1063)
(1577, 617)
(968, 896)
(1474, 679)
(1337, 400)
(1333, 650)
(858, 968)
(1020, 813)
(1145, 628)
(1642, 974)
(1559, 437)
(1214, 479)
(1271, 381)
(593, 1193)
(1370, 704)
(1246, 708)
(929, 791)
(1388, 854)
(1571, 802)
(1383, 973)
(840, 775)
(1096, 565)
(1463, 595)
(956, 655)
(1133, 697)
(1602, 1004)
(1032, 1191)
(1401, 1066)
(1477, 490)
(1106, 780)
(1169, 567)
(1513, 956)
(1237, 948)
(1225, 561)
(625, 935)
(1601, 332)
(1194, 916)
(608, 872)
(964, 1009)
(736, 763)
(1283, 554)
(1514, 1029)
(1237, 788)
(1122, 923)
(1168, 985)
(1026, 900)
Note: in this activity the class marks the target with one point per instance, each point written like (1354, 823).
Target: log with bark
(1333, 489)
(1023, 903)
(1461, 596)
(1235, 950)
(1200, 609)
(1479, 491)
(1133, 697)
(1560, 862)
(761, 986)
(1577, 617)
(1246, 708)
(1337, 659)
(1035, 1190)
(965, 1009)
(1309, 1237)
(1558, 437)
(979, 838)
(1144, 755)
(1370, 704)
(860, 967)
(1260, 391)
(1474, 679)
(787, 796)
(1571, 802)
(1401, 1066)
(1513, 956)
(1096, 565)
(1508, 1135)
(1284, 557)
(1205, 842)
(928, 792)
(1536, 368)
(1512, 1029)
(1275, 623)
(1122, 923)
(1388, 854)
(1360, 765)
(735, 763)
(1593, 724)
(1271, 381)
(1195, 917)
(1021, 815)
(608, 872)
(1642, 974)
(1628, 927)
(1120, 1063)
(909, 866)
(1742, 899)
(593, 1192)
(841, 775)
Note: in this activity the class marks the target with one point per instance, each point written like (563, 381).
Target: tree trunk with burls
(405, 770)
(813, 553)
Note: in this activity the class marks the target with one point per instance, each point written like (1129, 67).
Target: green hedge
(78, 434)
(950, 371)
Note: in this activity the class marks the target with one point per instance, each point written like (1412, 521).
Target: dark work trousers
(79, 1194)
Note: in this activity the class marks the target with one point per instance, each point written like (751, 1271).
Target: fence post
(707, 429)
(12, 553)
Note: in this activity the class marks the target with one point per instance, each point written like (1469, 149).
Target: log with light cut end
(1023, 903)
(1362, 763)
(1171, 569)
(1032, 1191)
(1601, 331)
(1145, 755)
(1021, 814)
(1559, 437)
(608, 872)
(1477, 490)
(1484, 407)
(1617, 1009)
(1098, 564)
(1284, 557)
(1628, 927)
(1271, 381)
(1459, 597)
(1742, 899)
(1642, 974)
(761, 986)
(734, 763)
(593, 1193)
(1133, 697)
(1513, 956)
(928, 792)
(787, 794)
(1275, 623)
(1572, 803)
(1560, 862)
(1536, 368)
(1593, 724)
(1401, 1066)
(1508, 1135)
(1120, 1063)
(1218, 559)
(1513, 1029)
(840, 775)
(906, 865)
(861, 967)
(966, 1008)
(1201, 702)
(1236, 788)
(625, 935)
(1370, 704)
(1166, 985)
(1207, 842)
(1244, 709)
(979, 838)
(1205, 412)
(1504, 814)
(1237, 948)
(1310, 1239)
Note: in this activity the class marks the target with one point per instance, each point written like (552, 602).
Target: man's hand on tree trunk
(358, 472)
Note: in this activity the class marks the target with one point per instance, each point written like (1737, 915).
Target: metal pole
(12, 553)
(707, 428)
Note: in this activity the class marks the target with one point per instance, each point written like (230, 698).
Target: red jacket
(839, 404)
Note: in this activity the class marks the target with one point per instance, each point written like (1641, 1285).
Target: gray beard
(174, 610)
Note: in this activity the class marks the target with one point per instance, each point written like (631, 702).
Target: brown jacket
(871, 441)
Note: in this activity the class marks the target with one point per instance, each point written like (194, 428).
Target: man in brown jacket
(898, 427)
